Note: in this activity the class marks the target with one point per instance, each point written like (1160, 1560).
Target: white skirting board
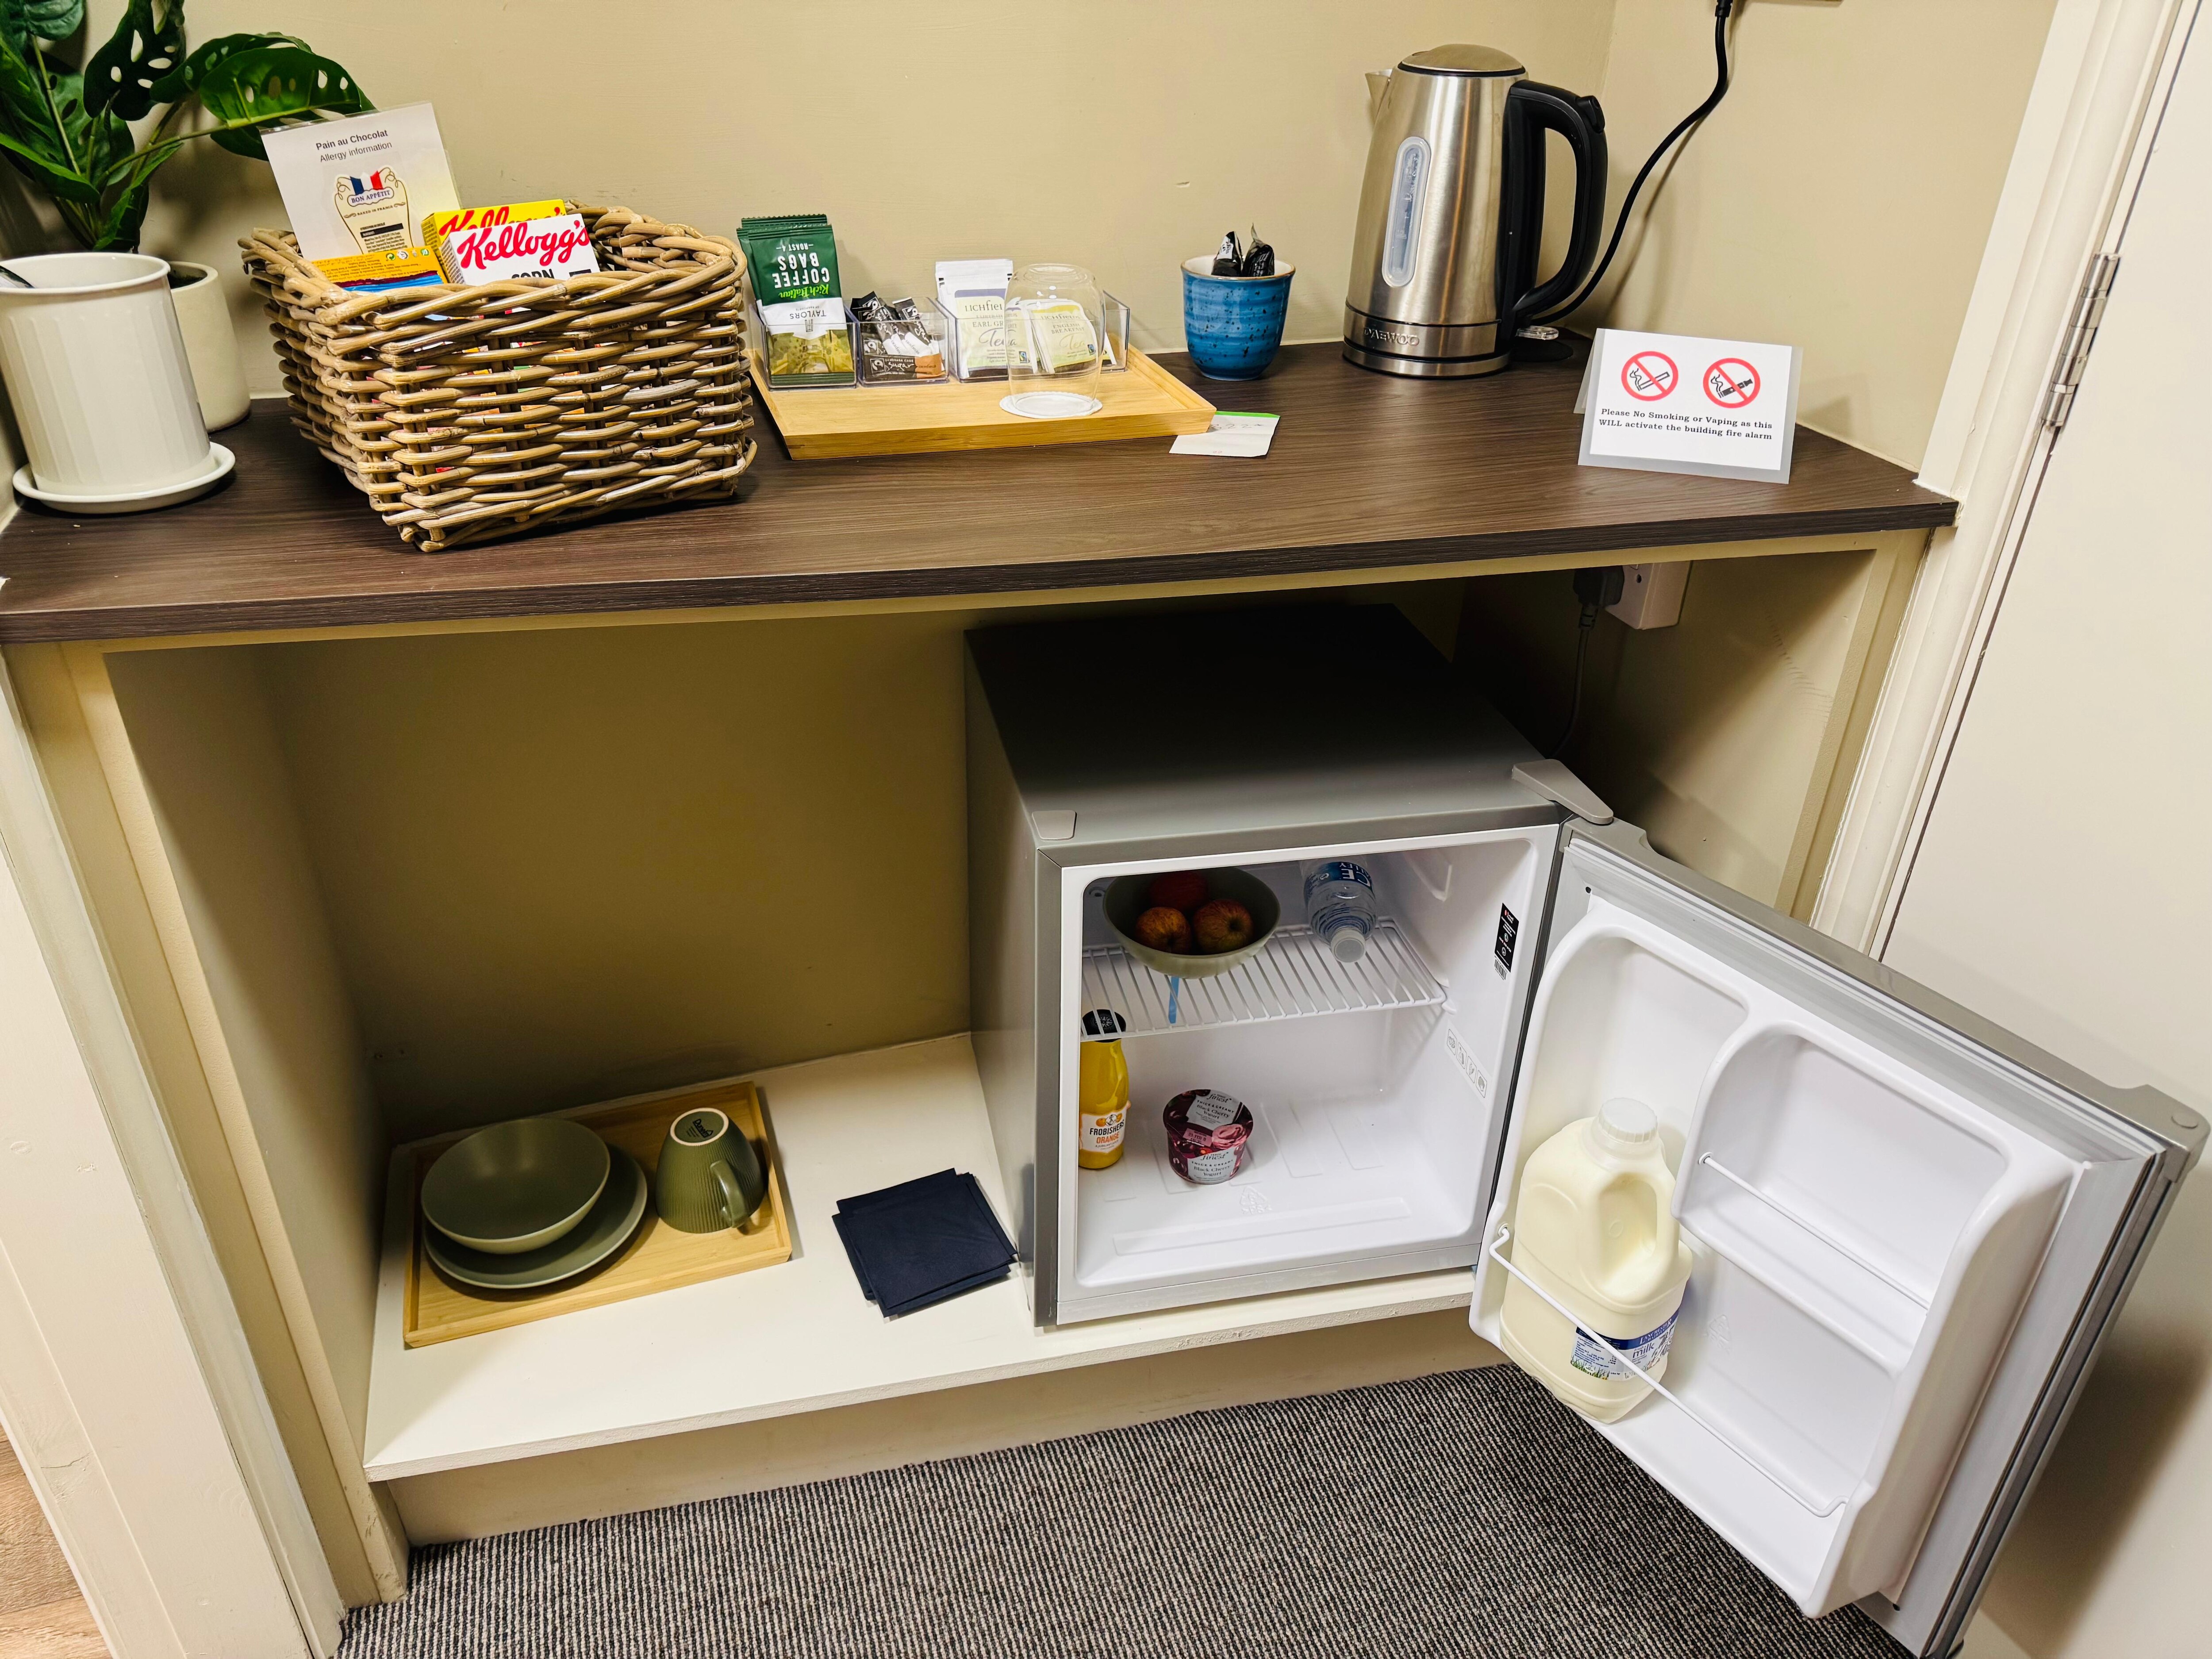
(798, 1337)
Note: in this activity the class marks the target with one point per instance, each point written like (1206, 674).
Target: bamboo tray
(820, 423)
(658, 1258)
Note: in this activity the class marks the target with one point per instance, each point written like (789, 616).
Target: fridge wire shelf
(1294, 976)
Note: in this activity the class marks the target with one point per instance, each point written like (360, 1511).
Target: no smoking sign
(1681, 403)
(1649, 376)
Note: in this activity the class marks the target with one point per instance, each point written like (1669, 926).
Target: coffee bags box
(792, 262)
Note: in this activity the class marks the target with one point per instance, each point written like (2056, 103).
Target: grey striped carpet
(1461, 1514)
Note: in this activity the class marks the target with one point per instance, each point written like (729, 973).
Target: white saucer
(220, 462)
(1050, 405)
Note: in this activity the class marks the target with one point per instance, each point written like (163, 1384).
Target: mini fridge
(1910, 1230)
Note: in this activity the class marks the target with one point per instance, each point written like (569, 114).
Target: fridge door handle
(1781, 1482)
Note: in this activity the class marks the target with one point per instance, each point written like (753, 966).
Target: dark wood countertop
(1367, 472)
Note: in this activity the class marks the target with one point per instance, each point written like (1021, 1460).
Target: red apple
(1179, 889)
(1164, 929)
(1221, 924)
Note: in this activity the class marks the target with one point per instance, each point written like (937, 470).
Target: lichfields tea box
(362, 184)
(973, 293)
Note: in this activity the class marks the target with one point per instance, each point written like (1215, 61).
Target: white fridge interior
(1375, 1086)
(1864, 1235)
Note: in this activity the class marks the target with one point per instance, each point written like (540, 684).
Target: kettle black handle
(1531, 110)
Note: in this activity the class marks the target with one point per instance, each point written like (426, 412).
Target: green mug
(710, 1177)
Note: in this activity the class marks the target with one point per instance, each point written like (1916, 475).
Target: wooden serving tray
(822, 423)
(658, 1258)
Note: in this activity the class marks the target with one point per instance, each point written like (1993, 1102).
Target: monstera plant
(70, 130)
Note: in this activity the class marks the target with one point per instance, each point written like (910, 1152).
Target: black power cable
(1722, 9)
(1597, 589)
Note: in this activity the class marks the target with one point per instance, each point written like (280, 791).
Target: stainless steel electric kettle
(1451, 213)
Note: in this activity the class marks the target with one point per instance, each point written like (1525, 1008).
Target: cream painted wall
(1837, 200)
(924, 132)
(565, 865)
(1721, 736)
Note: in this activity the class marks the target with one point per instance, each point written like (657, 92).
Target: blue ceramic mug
(1234, 324)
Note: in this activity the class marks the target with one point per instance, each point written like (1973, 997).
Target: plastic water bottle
(1339, 905)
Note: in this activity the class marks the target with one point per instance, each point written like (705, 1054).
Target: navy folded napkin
(923, 1242)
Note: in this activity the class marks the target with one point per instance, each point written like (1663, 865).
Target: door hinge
(2080, 334)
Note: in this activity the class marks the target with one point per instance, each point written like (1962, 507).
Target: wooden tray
(822, 423)
(659, 1258)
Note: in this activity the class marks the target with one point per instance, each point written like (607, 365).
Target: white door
(1909, 1228)
(2035, 902)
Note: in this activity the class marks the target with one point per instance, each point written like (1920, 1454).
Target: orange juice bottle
(1101, 1090)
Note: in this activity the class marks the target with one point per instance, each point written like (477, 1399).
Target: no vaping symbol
(1732, 383)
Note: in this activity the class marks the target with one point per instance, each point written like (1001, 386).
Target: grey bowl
(1126, 899)
(516, 1185)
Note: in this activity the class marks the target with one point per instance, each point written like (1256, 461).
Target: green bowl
(1126, 899)
(516, 1186)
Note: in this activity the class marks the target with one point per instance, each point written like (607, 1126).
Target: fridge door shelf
(1295, 976)
(1813, 1229)
(1780, 1481)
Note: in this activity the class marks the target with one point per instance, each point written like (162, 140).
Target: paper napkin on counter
(1233, 432)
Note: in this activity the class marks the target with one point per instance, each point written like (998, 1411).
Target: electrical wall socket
(1652, 594)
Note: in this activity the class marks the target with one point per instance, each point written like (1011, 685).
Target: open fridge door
(1909, 1230)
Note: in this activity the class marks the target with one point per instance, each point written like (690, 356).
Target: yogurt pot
(1209, 1135)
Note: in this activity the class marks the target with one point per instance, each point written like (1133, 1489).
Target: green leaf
(128, 169)
(61, 180)
(36, 144)
(186, 78)
(21, 99)
(22, 21)
(264, 85)
(118, 227)
(121, 73)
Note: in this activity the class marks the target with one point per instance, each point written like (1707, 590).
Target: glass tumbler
(1054, 328)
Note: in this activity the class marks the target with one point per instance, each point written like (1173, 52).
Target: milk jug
(1595, 1227)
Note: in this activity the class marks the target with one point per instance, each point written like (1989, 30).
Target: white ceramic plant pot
(204, 317)
(95, 368)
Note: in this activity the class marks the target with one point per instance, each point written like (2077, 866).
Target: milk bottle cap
(1628, 1122)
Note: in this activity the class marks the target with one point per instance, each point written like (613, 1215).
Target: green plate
(610, 1225)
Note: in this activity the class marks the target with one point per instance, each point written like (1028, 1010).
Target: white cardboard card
(1678, 403)
(1233, 432)
(361, 184)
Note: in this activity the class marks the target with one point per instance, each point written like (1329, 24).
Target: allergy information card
(1674, 402)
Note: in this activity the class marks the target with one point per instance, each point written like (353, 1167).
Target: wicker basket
(476, 411)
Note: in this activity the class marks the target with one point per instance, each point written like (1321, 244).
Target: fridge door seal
(2132, 1148)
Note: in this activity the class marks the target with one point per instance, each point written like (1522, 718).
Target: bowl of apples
(1192, 924)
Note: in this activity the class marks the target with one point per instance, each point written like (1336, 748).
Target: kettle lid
(1463, 60)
